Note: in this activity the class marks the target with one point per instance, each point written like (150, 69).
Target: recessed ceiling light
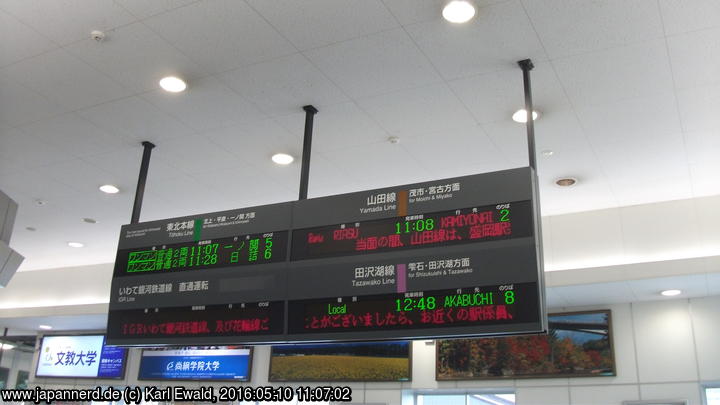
(458, 11)
(31, 229)
(521, 116)
(45, 327)
(282, 158)
(40, 203)
(109, 188)
(547, 153)
(75, 244)
(173, 84)
(89, 221)
(394, 140)
(566, 181)
(671, 293)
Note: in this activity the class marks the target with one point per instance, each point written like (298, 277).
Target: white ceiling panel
(649, 289)
(695, 58)
(244, 187)
(336, 127)
(136, 118)
(647, 160)
(613, 112)
(571, 27)
(416, 111)
(674, 186)
(510, 138)
(559, 131)
(590, 193)
(683, 16)
(702, 147)
(20, 105)
(414, 11)
(704, 177)
(638, 121)
(616, 74)
(496, 96)
(19, 40)
(35, 184)
(579, 163)
(315, 23)
(196, 154)
(280, 86)
(456, 152)
(326, 178)
(221, 34)
(81, 175)
(144, 9)
(74, 135)
(207, 105)
(375, 64)
(67, 21)
(381, 165)
(32, 151)
(698, 109)
(498, 37)
(184, 194)
(66, 80)
(124, 164)
(136, 57)
(254, 143)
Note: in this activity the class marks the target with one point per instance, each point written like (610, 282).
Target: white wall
(663, 350)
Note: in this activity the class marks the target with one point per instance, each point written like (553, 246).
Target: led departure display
(452, 257)
(231, 251)
(416, 310)
(239, 320)
(468, 225)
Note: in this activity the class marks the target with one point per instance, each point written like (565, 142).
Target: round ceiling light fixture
(45, 327)
(547, 152)
(521, 116)
(75, 244)
(670, 293)
(109, 189)
(173, 84)
(458, 11)
(282, 158)
(566, 181)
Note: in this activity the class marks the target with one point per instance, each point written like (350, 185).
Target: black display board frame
(272, 291)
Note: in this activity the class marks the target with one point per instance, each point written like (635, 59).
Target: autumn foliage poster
(578, 344)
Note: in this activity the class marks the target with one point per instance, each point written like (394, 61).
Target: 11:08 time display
(415, 226)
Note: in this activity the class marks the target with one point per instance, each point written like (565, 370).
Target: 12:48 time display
(422, 303)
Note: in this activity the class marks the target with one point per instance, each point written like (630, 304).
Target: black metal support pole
(142, 178)
(310, 112)
(526, 65)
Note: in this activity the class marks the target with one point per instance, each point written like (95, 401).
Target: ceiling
(629, 94)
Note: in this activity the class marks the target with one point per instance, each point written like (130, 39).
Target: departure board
(496, 222)
(231, 251)
(452, 257)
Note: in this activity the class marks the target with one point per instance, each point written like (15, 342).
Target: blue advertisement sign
(80, 357)
(196, 364)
